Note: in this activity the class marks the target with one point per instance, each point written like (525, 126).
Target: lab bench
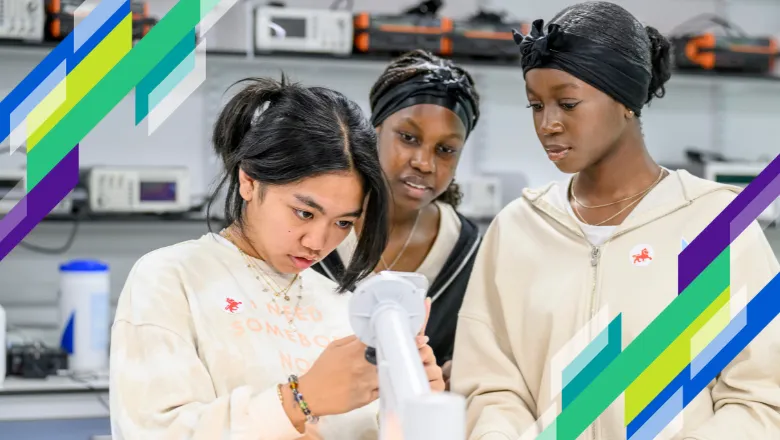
(55, 408)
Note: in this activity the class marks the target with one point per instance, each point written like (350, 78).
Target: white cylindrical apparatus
(396, 344)
(386, 312)
(85, 303)
(434, 416)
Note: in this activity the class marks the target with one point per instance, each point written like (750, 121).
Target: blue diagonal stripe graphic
(96, 19)
(762, 309)
(55, 77)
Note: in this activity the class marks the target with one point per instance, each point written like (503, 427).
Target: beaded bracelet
(293, 380)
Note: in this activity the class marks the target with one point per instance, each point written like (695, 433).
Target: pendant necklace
(268, 281)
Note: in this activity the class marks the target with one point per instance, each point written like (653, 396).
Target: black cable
(59, 250)
(86, 382)
(703, 20)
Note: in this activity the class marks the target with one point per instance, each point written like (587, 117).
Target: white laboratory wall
(734, 117)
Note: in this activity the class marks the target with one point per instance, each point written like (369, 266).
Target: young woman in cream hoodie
(603, 243)
(232, 335)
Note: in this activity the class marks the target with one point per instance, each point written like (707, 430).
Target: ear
(629, 114)
(246, 186)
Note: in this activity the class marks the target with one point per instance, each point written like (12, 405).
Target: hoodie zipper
(595, 257)
(595, 254)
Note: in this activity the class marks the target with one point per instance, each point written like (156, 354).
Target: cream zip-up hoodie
(538, 284)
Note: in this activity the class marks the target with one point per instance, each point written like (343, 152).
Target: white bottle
(85, 303)
(3, 344)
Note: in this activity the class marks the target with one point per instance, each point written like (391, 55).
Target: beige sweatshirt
(536, 285)
(198, 347)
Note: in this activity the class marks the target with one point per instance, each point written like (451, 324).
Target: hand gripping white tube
(387, 312)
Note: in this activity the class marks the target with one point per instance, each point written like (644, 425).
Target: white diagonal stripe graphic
(738, 301)
(548, 417)
(574, 347)
(51, 92)
(18, 136)
(220, 9)
(162, 111)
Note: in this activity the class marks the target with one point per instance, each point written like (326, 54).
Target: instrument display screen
(157, 192)
(284, 27)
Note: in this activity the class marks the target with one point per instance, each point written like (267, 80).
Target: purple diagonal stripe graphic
(716, 237)
(39, 202)
(756, 207)
(14, 217)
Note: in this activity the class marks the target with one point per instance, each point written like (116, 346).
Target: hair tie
(259, 112)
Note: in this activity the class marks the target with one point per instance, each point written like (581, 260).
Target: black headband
(603, 68)
(434, 88)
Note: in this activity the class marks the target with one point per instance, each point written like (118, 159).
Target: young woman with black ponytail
(563, 261)
(424, 108)
(232, 335)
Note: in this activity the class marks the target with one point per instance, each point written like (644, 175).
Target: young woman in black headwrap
(595, 258)
(424, 108)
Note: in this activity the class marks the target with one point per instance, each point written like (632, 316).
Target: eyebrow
(411, 122)
(308, 201)
(554, 88)
(566, 86)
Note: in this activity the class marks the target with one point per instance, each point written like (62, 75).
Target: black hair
(279, 133)
(413, 64)
(613, 26)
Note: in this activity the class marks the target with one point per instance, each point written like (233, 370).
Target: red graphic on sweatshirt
(232, 305)
(642, 256)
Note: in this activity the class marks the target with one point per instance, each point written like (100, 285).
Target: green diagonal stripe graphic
(117, 84)
(629, 364)
(671, 362)
(159, 73)
(89, 72)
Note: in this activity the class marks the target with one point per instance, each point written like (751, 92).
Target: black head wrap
(600, 66)
(439, 87)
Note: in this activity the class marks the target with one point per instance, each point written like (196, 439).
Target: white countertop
(56, 397)
(54, 384)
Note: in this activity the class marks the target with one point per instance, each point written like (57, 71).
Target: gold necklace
(267, 279)
(260, 273)
(290, 319)
(641, 193)
(577, 213)
(403, 249)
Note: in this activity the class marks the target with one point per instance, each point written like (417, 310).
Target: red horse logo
(232, 305)
(642, 256)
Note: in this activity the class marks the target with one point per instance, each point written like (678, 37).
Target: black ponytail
(231, 128)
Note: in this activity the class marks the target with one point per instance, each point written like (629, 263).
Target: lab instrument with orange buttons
(710, 43)
(60, 18)
(725, 53)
